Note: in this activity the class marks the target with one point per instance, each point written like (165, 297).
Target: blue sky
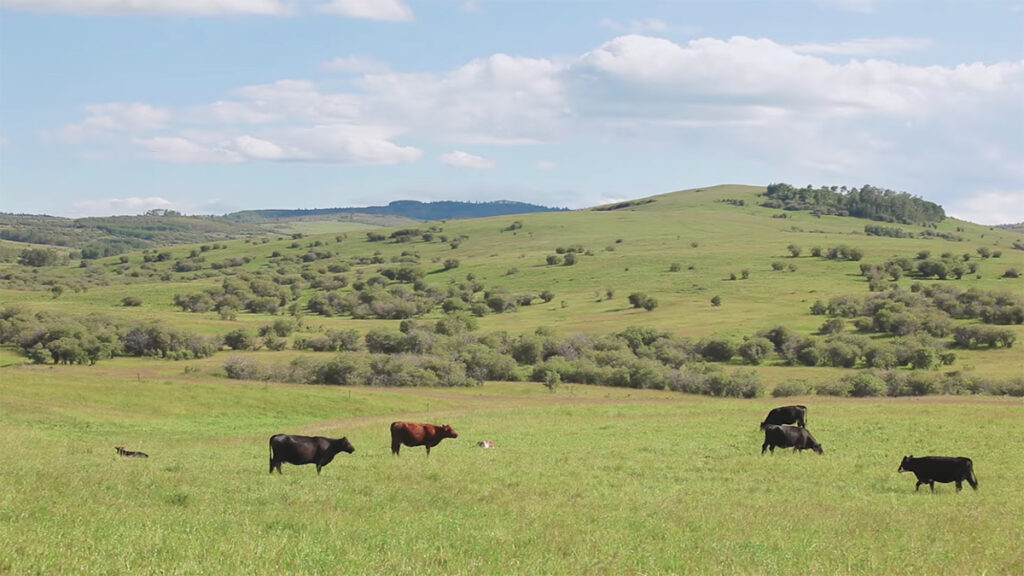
(211, 106)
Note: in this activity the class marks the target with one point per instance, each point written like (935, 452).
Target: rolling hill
(715, 262)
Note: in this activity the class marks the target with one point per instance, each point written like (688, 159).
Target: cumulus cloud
(386, 10)
(862, 6)
(116, 117)
(635, 26)
(180, 150)
(190, 7)
(865, 46)
(356, 65)
(120, 206)
(918, 128)
(460, 159)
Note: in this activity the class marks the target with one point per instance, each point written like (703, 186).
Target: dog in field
(130, 453)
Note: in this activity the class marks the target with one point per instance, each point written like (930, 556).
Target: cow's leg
(395, 447)
(959, 485)
(428, 449)
(318, 467)
(918, 486)
(764, 447)
(932, 484)
(271, 465)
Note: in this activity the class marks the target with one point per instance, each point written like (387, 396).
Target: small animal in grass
(130, 453)
(485, 444)
(932, 469)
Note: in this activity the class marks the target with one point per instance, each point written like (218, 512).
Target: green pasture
(586, 480)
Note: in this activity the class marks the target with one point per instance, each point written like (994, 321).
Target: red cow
(416, 434)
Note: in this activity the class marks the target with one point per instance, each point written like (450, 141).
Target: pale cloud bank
(386, 10)
(120, 206)
(861, 121)
(383, 10)
(989, 207)
(460, 159)
(189, 7)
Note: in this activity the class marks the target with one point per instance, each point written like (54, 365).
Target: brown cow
(416, 434)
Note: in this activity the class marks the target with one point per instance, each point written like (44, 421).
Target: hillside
(707, 274)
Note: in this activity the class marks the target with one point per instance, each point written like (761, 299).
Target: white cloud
(179, 150)
(638, 26)
(546, 165)
(865, 46)
(989, 207)
(120, 206)
(190, 7)
(460, 159)
(862, 6)
(499, 99)
(116, 117)
(386, 10)
(356, 65)
(918, 128)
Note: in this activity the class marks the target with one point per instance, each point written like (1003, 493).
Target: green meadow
(584, 479)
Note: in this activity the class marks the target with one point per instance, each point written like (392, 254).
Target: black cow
(296, 449)
(786, 415)
(932, 469)
(789, 436)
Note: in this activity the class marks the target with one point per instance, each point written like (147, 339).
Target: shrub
(833, 388)
(755, 350)
(792, 388)
(641, 300)
(131, 301)
(865, 384)
(717, 349)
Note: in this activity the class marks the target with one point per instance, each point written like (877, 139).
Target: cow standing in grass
(932, 469)
(786, 415)
(298, 450)
(789, 437)
(416, 434)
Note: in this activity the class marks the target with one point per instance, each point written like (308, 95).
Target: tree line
(865, 202)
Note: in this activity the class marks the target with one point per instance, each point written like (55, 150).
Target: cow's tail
(971, 478)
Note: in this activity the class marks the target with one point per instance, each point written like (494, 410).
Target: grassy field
(587, 480)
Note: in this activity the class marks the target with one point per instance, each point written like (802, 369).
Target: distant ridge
(442, 210)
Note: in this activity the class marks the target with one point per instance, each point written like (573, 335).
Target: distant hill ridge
(441, 210)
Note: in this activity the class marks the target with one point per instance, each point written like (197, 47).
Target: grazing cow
(416, 434)
(130, 453)
(789, 436)
(786, 415)
(485, 444)
(296, 449)
(932, 469)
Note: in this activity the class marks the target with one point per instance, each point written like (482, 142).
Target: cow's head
(343, 445)
(817, 448)
(448, 431)
(903, 464)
